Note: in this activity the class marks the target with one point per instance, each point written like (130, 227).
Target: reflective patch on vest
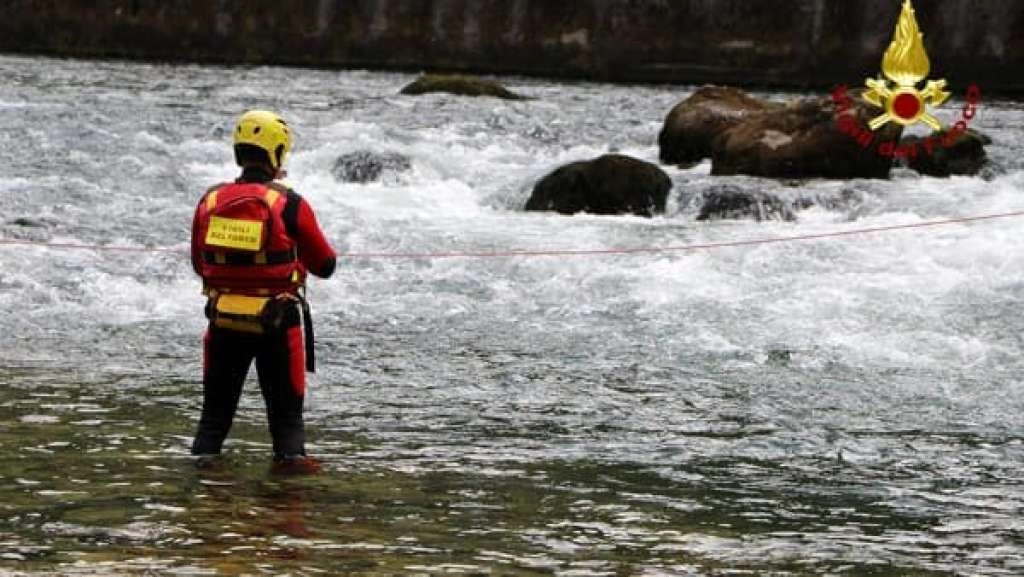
(271, 197)
(235, 233)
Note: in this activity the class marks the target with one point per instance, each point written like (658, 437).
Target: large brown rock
(804, 140)
(610, 184)
(691, 127)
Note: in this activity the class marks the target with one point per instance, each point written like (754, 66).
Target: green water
(96, 481)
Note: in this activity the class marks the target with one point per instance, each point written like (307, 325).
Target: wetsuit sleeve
(315, 252)
(196, 257)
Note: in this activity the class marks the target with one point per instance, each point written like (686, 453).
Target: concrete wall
(776, 42)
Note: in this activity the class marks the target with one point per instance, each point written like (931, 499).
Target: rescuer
(253, 242)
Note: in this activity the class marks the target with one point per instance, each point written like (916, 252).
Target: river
(849, 406)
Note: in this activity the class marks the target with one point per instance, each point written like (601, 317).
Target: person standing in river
(253, 243)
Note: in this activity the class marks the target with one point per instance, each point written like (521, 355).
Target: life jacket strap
(212, 292)
(308, 336)
(250, 259)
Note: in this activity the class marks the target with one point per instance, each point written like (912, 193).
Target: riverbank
(807, 44)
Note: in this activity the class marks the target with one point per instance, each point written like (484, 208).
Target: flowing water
(838, 406)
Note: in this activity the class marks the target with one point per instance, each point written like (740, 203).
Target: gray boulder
(364, 166)
(733, 203)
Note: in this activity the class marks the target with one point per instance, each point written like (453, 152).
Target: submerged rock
(610, 184)
(733, 203)
(964, 155)
(459, 85)
(780, 356)
(693, 124)
(29, 228)
(29, 222)
(365, 166)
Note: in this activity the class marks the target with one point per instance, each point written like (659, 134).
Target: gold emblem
(906, 64)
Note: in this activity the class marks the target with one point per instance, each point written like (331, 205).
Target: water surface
(825, 407)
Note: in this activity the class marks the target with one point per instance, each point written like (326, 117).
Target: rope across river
(499, 254)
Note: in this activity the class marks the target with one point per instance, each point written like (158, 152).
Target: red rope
(684, 248)
(94, 247)
(556, 252)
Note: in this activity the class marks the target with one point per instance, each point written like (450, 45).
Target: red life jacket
(243, 241)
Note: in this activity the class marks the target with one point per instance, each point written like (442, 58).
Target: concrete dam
(787, 43)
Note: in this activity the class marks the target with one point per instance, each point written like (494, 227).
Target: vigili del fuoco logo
(904, 67)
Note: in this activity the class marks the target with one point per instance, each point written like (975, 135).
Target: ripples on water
(828, 407)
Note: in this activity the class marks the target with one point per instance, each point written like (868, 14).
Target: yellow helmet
(265, 130)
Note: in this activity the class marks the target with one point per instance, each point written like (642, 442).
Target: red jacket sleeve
(315, 252)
